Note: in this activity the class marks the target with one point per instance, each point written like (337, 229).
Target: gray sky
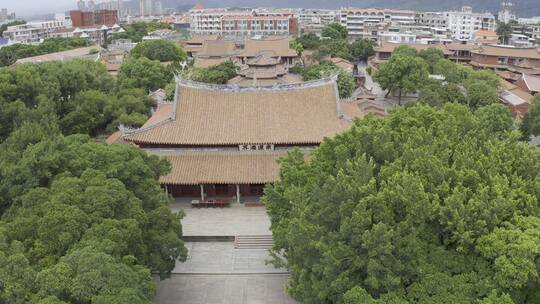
(29, 7)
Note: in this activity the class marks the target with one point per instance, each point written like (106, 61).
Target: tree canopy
(218, 74)
(78, 95)
(403, 73)
(427, 205)
(161, 50)
(530, 125)
(83, 222)
(334, 31)
(144, 73)
(345, 80)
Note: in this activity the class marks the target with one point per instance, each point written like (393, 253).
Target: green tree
(88, 223)
(160, 50)
(530, 125)
(427, 205)
(504, 31)
(309, 41)
(218, 74)
(437, 93)
(496, 118)
(143, 73)
(431, 56)
(402, 73)
(362, 49)
(297, 46)
(334, 31)
(345, 80)
(481, 94)
(334, 48)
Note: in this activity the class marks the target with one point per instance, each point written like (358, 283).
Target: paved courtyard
(216, 272)
(231, 221)
(223, 289)
(223, 258)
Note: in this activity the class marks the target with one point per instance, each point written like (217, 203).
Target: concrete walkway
(231, 221)
(224, 289)
(223, 258)
(216, 272)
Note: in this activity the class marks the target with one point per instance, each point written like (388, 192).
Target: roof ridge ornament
(327, 79)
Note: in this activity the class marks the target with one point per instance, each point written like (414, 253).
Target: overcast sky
(28, 7)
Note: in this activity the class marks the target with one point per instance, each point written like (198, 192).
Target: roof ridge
(275, 88)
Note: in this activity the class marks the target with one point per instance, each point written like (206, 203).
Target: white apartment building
(462, 24)
(314, 20)
(465, 23)
(33, 32)
(368, 23)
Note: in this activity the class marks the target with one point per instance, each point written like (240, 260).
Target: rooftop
(532, 82)
(279, 47)
(491, 50)
(85, 52)
(194, 168)
(218, 115)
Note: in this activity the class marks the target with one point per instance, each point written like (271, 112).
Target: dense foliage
(402, 73)
(345, 80)
(424, 206)
(218, 74)
(77, 95)
(137, 30)
(407, 71)
(144, 73)
(530, 125)
(84, 222)
(335, 44)
(10, 54)
(161, 50)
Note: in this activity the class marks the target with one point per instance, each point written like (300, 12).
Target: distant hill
(523, 8)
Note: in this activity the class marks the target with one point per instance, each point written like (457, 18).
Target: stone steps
(253, 242)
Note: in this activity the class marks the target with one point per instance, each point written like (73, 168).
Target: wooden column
(202, 193)
(238, 193)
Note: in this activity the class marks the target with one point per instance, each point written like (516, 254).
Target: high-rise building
(81, 5)
(506, 14)
(3, 15)
(91, 5)
(150, 7)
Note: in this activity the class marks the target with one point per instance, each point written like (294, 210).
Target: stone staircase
(253, 242)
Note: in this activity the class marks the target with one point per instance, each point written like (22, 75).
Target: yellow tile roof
(489, 50)
(223, 168)
(277, 48)
(223, 115)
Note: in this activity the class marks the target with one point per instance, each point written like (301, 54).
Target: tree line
(80, 221)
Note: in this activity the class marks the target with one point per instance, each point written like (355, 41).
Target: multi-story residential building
(33, 32)
(314, 20)
(95, 34)
(367, 23)
(462, 24)
(416, 34)
(243, 23)
(465, 23)
(435, 19)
